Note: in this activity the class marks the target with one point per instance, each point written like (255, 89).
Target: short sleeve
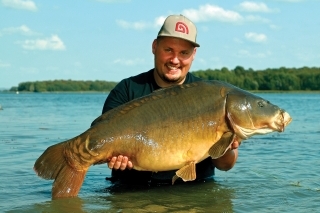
(117, 96)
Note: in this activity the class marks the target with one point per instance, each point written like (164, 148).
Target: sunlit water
(277, 172)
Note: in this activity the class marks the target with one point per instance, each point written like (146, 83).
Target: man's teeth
(173, 68)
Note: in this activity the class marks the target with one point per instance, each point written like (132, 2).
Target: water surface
(277, 172)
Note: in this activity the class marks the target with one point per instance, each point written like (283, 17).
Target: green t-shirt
(135, 87)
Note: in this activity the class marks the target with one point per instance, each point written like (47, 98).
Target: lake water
(278, 172)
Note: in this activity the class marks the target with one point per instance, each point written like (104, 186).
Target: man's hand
(235, 145)
(120, 162)
(227, 161)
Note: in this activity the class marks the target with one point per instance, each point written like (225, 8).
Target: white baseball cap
(179, 26)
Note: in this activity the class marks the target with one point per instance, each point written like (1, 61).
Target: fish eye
(260, 104)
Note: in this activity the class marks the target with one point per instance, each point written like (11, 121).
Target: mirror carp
(170, 129)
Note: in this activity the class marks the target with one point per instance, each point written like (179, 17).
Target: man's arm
(117, 97)
(227, 161)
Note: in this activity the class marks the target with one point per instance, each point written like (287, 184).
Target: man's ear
(194, 53)
(154, 46)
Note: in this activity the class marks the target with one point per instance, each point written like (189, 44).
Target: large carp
(172, 128)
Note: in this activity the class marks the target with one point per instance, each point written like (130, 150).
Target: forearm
(227, 161)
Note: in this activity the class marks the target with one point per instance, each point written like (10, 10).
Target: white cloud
(237, 40)
(132, 25)
(4, 64)
(141, 25)
(202, 14)
(211, 12)
(255, 37)
(29, 70)
(159, 21)
(23, 29)
(257, 19)
(307, 56)
(250, 6)
(52, 43)
(292, 0)
(247, 54)
(20, 4)
(274, 27)
(113, 1)
(129, 62)
(201, 61)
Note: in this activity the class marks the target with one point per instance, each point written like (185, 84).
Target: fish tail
(52, 164)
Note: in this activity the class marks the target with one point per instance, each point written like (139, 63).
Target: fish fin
(52, 164)
(187, 173)
(174, 178)
(220, 147)
(68, 182)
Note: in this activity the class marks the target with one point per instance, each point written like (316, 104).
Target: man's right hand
(120, 162)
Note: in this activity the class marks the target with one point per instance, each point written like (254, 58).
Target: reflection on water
(191, 197)
(54, 206)
(274, 173)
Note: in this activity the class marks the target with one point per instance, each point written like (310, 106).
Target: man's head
(179, 26)
(174, 50)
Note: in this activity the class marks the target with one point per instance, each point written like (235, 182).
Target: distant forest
(64, 86)
(286, 79)
(281, 79)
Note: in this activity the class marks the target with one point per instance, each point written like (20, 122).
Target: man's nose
(175, 59)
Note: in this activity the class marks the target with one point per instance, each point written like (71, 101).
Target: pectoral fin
(187, 173)
(220, 147)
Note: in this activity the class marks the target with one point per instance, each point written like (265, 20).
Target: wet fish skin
(172, 128)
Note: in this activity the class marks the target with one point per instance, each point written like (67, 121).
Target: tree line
(64, 85)
(281, 79)
(285, 79)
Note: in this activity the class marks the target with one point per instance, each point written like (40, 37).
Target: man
(174, 50)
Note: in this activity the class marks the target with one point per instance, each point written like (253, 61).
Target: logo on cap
(182, 27)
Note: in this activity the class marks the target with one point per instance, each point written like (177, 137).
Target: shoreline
(55, 92)
(99, 92)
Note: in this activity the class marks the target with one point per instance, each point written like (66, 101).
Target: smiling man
(174, 50)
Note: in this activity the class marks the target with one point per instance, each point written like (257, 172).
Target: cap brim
(193, 43)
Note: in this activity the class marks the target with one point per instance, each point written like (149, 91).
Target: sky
(111, 39)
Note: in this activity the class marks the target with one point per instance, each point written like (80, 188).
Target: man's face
(173, 58)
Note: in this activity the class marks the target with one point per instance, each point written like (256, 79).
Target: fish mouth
(244, 133)
(279, 123)
(283, 120)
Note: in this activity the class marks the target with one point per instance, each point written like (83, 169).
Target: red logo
(182, 28)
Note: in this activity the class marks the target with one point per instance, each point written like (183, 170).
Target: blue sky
(111, 39)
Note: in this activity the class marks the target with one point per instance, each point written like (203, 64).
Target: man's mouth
(172, 68)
